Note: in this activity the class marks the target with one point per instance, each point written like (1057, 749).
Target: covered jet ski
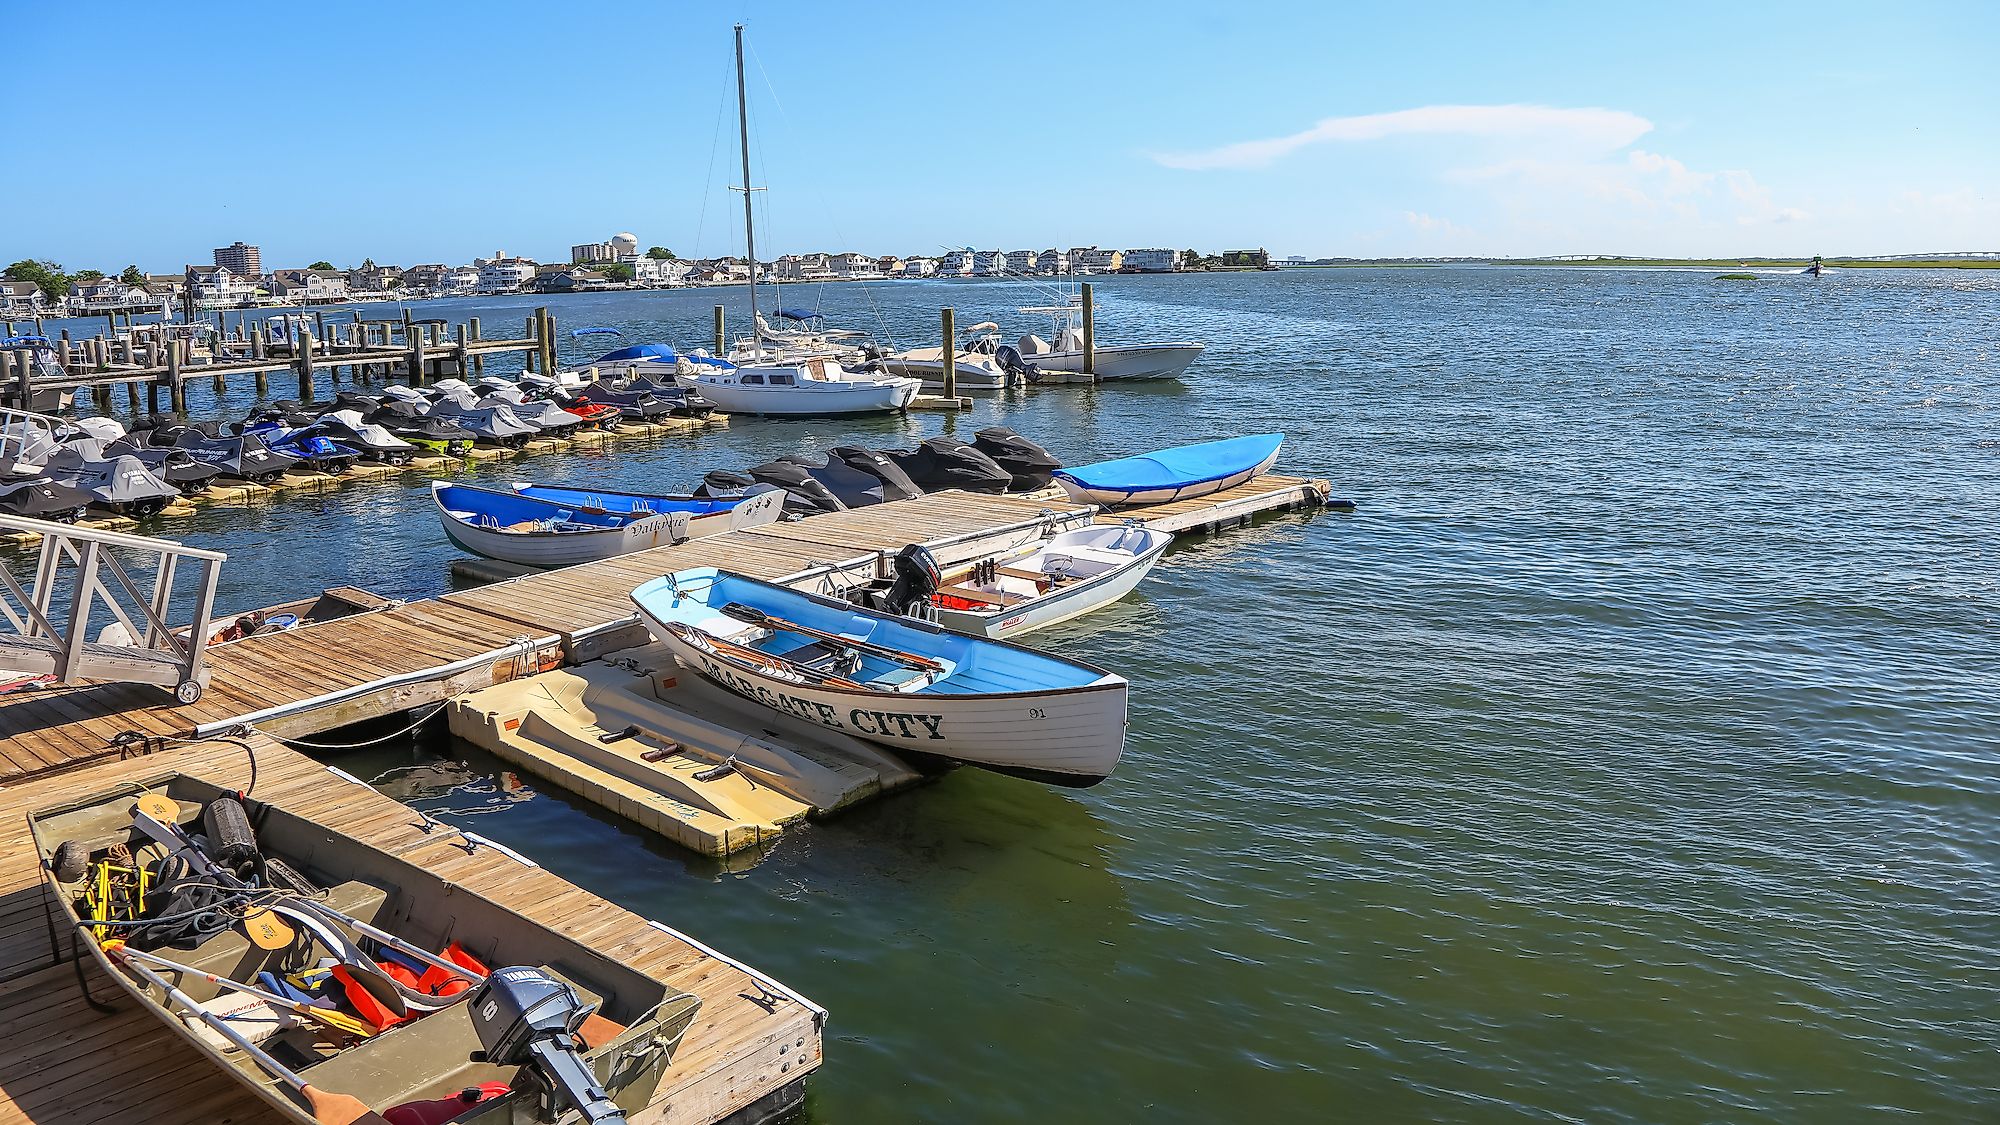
(632, 403)
(43, 499)
(438, 435)
(121, 484)
(497, 424)
(893, 483)
(854, 488)
(285, 413)
(1032, 466)
(945, 462)
(177, 467)
(540, 413)
(244, 456)
(360, 402)
(685, 400)
(372, 441)
(808, 495)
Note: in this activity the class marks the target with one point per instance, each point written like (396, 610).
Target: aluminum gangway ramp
(83, 573)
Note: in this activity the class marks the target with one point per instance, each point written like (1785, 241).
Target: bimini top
(575, 332)
(1178, 467)
(660, 352)
(798, 314)
(26, 342)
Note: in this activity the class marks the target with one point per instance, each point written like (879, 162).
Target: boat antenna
(749, 223)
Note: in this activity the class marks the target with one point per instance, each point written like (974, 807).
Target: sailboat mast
(749, 223)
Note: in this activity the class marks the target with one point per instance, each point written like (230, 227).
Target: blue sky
(435, 132)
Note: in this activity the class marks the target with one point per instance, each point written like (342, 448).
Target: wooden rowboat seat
(991, 597)
(1016, 572)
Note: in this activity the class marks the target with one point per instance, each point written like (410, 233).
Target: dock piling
(176, 393)
(721, 333)
(472, 333)
(304, 360)
(1089, 332)
(950, 354)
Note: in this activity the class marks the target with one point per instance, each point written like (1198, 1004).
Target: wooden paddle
(751, 615)
(747, 655)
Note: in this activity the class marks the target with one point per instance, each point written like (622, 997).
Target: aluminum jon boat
(908, 685)
(509, 526)
(1181, 473)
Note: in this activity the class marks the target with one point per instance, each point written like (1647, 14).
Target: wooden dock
(66, 1058)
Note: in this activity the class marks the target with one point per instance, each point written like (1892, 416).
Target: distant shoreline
(1690, 263)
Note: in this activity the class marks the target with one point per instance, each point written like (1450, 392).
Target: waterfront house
(854, 266)
(309, 287)
(165, 289)
(803, 267)
(1019, 261)
(657, 272)
(958, 263)
(1089, 259)
(502, 274)
(888, 265)
(374, 279)
(989, 263)
(25, 298)
(428, 278)
(920, 267)
(217, 287)
(103, 295)
(1052, 261)
(459, 281)
(1259, 259)
(1150, 260)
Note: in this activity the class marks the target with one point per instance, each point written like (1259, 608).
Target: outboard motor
(808, 496)
(895, 483)
(1032, 466)
(528, 1019)
(1010, 361)
(943, 462)
(917, 578)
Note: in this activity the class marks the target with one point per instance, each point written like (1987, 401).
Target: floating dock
(69, 1058)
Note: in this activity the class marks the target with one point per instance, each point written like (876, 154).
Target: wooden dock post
(414, 336)
(532, 325)
(545, 345)
(303, 360)
(1089, 332)
(721, 333)
(472, 333)
(950, 356)
(24, 376)
(459, 333)
(176, 392)
(132, 398)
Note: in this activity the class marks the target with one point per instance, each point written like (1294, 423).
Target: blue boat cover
(660, 352)
(797, 314)
(25, 341)
(1179, 467)
(574, 332)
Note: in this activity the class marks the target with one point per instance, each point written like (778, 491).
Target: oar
(339, 1021)
(328, 1108)
(747, 655)
(751, 615)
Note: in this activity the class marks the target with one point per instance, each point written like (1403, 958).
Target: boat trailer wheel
(188, 692)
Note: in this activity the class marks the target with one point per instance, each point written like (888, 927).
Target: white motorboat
(1108, 361)
(1017, 591)
(979, 364)
(905, 684)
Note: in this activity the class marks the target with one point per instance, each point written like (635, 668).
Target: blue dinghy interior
(627, 503)
(1177, 468)
(977, 666)
(486, 507)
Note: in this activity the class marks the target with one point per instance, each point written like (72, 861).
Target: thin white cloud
(1598, 130)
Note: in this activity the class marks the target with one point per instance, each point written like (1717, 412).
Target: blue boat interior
(508, 511)
(975, 666)
(629, 503)
(1178, 467)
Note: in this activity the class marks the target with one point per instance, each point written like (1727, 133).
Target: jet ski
(285, 413)
(175, 466)
(243, 456)
(357, 401)
(101, 429)
(807, 494)
(896, 484)
(633, 402)
(121, 484)
(945, 462)
(551, 419)
(407, 394)
(1032, 466)
(43, 499)
(496, 424)
(437, 435)
(317, 451)
(372, 441)
(686, 401)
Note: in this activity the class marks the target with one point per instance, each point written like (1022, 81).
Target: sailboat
(761, 383)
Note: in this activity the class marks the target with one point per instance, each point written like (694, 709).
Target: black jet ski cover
(725, 482)
(175, 466)
(896, 484)
(807, 495)
(855, 488)
(394, 411)
(44, 499)
(240, 455)
(944, 462)
(1032, 466)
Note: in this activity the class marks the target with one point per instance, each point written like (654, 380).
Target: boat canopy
(575, 332)
(797, 314)
(660, 352)
(25, 342)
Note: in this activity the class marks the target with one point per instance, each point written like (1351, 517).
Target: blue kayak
(1181, 473)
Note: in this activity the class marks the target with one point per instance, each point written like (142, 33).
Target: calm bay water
(1628, 755)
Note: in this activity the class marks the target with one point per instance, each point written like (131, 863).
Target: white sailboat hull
(809, 398)
(1124, 361)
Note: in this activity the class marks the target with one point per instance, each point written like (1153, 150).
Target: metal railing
(55, 641)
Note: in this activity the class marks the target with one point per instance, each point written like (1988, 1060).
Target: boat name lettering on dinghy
(890, 723)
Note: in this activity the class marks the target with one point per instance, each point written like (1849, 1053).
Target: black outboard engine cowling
(895, 483)
(944, 462)
(807, 495)
(526, 1018)
(1009, 358)
(1032, 466)
(917, 578)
